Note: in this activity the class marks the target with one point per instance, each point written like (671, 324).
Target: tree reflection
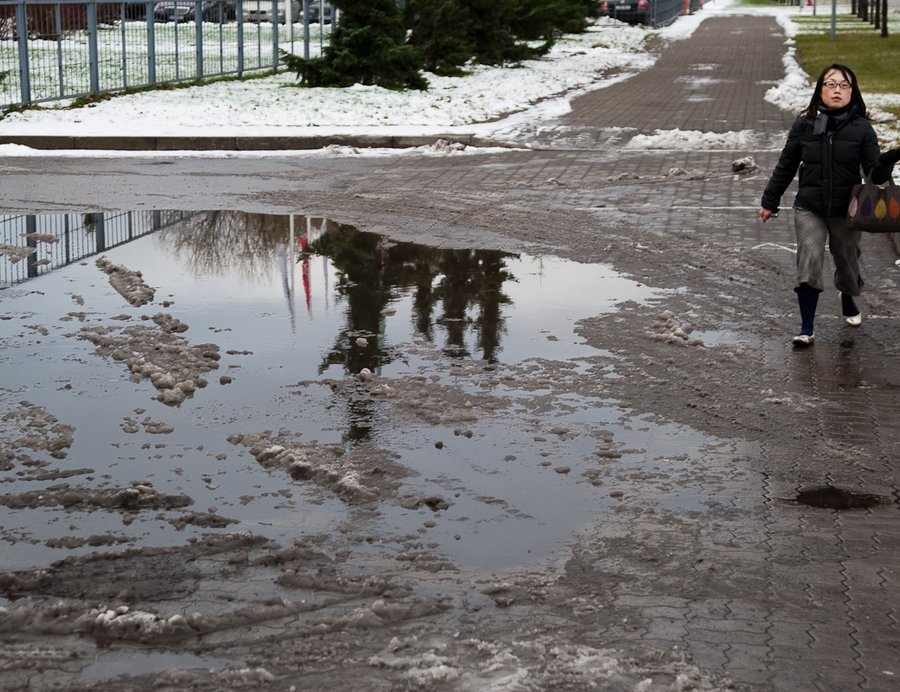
(216, 241)
(466, 285)
(457, 292)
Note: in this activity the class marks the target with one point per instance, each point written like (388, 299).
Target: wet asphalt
(821, 608)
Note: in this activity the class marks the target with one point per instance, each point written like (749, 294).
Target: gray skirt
(813, 233)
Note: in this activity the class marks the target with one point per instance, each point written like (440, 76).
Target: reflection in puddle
(372, 294)
(112, 663)
(720, 337)
(32, 245)
(296, 307)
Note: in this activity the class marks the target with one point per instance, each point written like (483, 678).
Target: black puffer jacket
(829, 163)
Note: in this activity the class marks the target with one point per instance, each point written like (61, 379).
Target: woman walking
(828, 143)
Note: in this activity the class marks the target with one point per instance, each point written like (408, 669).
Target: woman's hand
(765, 215)
(890, 158)
(882, 170)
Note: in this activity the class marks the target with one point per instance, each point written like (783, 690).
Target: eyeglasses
(843, 86)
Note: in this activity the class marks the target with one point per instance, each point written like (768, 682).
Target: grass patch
(891, 109)
(875, 60)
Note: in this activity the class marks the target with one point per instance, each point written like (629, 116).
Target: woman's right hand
(765, 215)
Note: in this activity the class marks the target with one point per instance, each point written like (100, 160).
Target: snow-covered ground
(478, 104)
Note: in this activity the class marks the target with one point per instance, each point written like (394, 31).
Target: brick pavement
(815, 598)
(698, 84)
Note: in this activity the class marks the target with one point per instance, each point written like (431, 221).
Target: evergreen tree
(374, 42)
(540, 19)
(495, 42)
(494, 32)
(443, 33)
(368, 46)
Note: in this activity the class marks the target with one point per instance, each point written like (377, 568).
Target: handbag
(875, 208)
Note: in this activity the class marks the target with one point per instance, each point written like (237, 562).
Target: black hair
(856, 98)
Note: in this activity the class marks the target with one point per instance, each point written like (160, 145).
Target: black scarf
(828, 119)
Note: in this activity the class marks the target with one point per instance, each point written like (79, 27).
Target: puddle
(829, 497)
(294, 306)
(720, 337)
(109, 664)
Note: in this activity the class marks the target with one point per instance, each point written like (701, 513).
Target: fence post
(198, 37)
(22, 40)
(100, 231)
(67, 237)
(31, 261)
(275, 32)
(151, 44)
(60, 63)
(123, 17)
(93, 53)
(306, 29)
(240, 37)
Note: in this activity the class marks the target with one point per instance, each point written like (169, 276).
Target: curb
(240, 143)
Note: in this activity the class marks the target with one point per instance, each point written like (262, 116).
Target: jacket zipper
(828, 187)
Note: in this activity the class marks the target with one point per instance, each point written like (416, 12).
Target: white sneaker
(803, 340)
(851, 320)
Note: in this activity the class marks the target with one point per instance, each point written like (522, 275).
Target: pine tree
(452, 33)
(443, 33)
(368, 46)
(539, 19)
(375, 42)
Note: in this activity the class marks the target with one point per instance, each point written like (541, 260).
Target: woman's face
(836, 90)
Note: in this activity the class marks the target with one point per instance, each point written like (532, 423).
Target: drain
(829, 497)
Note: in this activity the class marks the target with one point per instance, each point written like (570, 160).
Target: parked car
(219, 10)
(655, 12)
(320, 14)
(260, 11)
(174, 11)
(629, 11)
(185, 10)
(129, 11)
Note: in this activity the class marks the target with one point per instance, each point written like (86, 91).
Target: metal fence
(31, 245)
(52, 50)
